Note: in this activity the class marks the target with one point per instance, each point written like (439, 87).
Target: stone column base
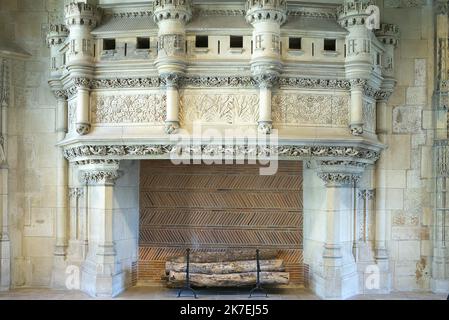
(96, 283)
(439, 285)
(336, 282)
(59, 276)
(5, 265)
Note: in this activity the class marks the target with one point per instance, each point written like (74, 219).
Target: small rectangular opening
(330, 44)
(313, 49)
(236, 42)
(108, 44)
(378, 59)
(202, 42)
(126, 49)
(143, 43)
(294, 43)
(219, 46)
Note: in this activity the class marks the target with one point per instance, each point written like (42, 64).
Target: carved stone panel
(310, 109)
(407, 119)
(128, 108)
(225, 108)
(71, 115)
(369, 116)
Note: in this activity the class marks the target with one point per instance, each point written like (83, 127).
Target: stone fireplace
(126, 114)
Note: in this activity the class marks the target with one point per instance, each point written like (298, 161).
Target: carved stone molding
(267, 79)
(356, 130)
(314, 83)
(218, 81)
(171, 80)
(171, 127)
(116, 152)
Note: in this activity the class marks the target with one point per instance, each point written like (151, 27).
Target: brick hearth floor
(158, 293)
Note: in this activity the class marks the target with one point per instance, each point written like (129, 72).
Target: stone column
(102, 275)
(5, 250)
(171, 17)
(356, 114)
(338, 278)
(83, 110)
(171, 85)
(266, 17)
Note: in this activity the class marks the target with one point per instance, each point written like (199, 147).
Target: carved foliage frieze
(219, 108)
(120, 108)
(311, 109)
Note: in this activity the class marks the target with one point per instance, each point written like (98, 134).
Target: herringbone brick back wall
(218, 207)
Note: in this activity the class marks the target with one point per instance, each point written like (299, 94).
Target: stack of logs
(237, 268)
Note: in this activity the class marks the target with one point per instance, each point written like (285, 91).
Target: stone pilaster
(101, 271)
(338, 278)
(171, 17)
(266, 17)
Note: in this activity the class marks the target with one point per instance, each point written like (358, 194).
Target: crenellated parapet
(266, 10)
(55, 38)
(78, 13)
(388, 34)
(80, 18)
(172, 10)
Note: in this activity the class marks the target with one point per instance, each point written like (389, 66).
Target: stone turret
(267, 17)
(55, 38)
(353, 15)
(172, 17)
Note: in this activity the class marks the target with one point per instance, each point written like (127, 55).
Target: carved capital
(366, 194)
(83, 83)
(441, 7)
(267, 80)
(358, 84)
(339, 179)
(76, 193)
(99, 174)
(60, 94)
(171, 80)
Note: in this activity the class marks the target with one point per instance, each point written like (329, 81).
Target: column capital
(366, 194)
(100, 174)
(267, 79)
(340, 173)
(441, 7)
(358, 84)
(171, 79)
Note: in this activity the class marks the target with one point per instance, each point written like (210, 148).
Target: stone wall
(32, 153)
(404, 178)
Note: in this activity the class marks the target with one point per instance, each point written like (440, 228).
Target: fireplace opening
(211, 208)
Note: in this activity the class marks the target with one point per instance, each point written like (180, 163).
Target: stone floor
(158, 293)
